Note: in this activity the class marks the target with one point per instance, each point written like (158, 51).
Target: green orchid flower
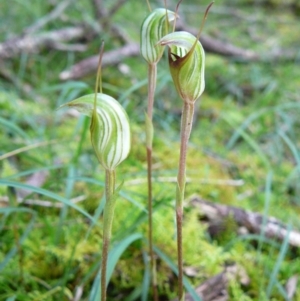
(110, 129)
(187, 62)
(154, 27)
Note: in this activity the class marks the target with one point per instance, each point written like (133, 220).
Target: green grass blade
(100, 208)
(287, 106)
(27, 231)
(12, 127)
(32, 171)
(280, 258)
(135, 294)
(141, 218)
(101, 205)
(292, 147)
(251, 142)
(174, 268)
(96, 291)
(113, 258)
(240, 129)
(268, 192)
(282, 291)
(68, 91)
(10, 210)
(91, 181)
(251, 238)
(48, 194)
(127, 197)
(96, 215)
(64, 210)
(3, 220)
(133, 88)
(118, 250)
(85, 128)
(122, 193)
(146, 278)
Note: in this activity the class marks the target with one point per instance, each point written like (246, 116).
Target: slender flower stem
(107, 225)
(152, 74)
(186, 127)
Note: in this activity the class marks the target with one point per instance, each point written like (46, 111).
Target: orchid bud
(110, 130)
(186, 61)
(154, 27)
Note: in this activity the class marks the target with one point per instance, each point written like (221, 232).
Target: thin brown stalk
(186, 127)
(152, 74)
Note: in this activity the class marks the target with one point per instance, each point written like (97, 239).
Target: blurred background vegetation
(244, 152)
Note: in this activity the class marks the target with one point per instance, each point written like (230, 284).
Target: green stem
(186, 127)
(107, 225)
(152, 74)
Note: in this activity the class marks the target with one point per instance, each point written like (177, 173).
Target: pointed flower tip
(110, 128)
(187, 63)
(62, 106)
(153, 29)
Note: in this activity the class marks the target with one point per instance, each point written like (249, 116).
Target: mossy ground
(246, 128)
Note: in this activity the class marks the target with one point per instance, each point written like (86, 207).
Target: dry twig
(215, 288)
(219, 182)
(219, 47)
(34, 43)
(42, 203)
(116, 7)
(210, 44)
(54, 14)
(104, 16)
(100, 10)
(57, 39)
(109, 58)
(291, 286)
(254, 222)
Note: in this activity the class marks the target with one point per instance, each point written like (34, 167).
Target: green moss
(62, 247)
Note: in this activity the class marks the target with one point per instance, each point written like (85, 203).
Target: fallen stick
(216, 46)
(114, 57)
(220, 182)
(57, 39)
(54, 14)
(4, 202)
(215, 288)
(254, 222)
(210, 44)
(34, 43)
(89, 65)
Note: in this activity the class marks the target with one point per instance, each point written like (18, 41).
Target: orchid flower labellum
(187, 63)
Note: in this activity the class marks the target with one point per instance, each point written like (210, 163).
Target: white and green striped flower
(154, 27)
(187, 63)
(110, 129)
